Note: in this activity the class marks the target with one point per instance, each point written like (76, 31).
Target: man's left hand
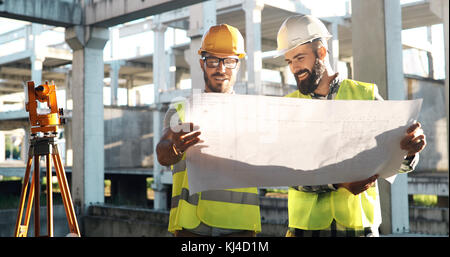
(414, 141)
(358, 187)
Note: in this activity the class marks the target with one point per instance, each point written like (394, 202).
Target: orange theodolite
(43, 145)
(43, 122)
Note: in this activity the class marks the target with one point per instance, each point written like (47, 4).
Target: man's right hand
(175, 141)
(358, 187)
(183, 136)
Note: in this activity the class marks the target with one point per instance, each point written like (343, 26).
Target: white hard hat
(299, 29)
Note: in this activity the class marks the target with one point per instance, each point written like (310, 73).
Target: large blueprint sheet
(267, 141)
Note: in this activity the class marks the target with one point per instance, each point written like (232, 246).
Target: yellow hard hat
(300, 29)
(223, 39)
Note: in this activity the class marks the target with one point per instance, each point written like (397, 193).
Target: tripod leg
(65, 192)
(29, 205)
(49, 197)
(19, 229)
(37, 189)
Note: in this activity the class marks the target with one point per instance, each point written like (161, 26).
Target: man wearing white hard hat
(345, 209)
(231, 212)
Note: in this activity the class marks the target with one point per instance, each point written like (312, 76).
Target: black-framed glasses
(213, 62)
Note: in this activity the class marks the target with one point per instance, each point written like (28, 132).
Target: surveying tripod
(44, 146)
(43, 143)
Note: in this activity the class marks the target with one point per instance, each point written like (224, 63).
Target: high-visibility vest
(228, 209)
(315, 211)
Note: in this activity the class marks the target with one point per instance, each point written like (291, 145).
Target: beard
(215, 87)
(311, 82)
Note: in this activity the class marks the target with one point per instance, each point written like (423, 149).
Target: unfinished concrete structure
(116, 142)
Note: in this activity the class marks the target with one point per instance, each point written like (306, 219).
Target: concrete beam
(429, 221)
(13, 78)
(433, 184)
(19, 171)
(52, 12)
(57, 53)
(107, 13)
(14, 125)
(8, 89)
(21, 32)
(15, 57)
(287, 5)
(418, 15)
(13, 35)
(13, 115)
(168, 96)
(135, 28)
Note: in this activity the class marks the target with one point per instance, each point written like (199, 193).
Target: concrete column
(178, 75)
(68, 132)
(36, 68)
(2, 146)
(202, 17)
(129, 90)
(446, 43)
(114, 40)
(429, 54)
(171, 79)
(377, 58)
(440, 8)
(159, 58)
(159, 82)
(25, 142)
(11, 147)
(242, 75)
(114, 83)
(24, 146)
(284, 73)
(68, 84)
(68, 126)
(87, 119)
(36, 59)
(333, 45)
(138, 98)
(115, 66)
(349, 69)
(253, 9)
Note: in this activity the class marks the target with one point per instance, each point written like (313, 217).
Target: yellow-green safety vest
(315, 211)
(228, 209)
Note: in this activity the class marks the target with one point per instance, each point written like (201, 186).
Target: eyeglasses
(213, 62)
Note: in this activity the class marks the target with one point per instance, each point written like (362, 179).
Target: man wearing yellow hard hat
(346, 209)
(232, 212)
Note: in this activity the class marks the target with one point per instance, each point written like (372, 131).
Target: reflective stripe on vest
(179, 166)
(193, 199)
(231, 208)
(311, 211)
(218, 196)
(231, 197)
